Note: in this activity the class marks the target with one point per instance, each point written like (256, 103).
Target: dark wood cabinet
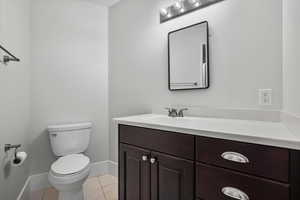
(171, 178)
(163, 165)
(211, 182)
(176, 144)
(160, 169)
(261, 160)
(134, 173)
(155, 176)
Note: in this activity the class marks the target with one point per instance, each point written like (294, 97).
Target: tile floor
(95, 188)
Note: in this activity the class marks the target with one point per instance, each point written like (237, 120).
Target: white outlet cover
(265, 97)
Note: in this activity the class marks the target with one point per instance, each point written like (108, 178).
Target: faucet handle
(172, 112)
(180, 112)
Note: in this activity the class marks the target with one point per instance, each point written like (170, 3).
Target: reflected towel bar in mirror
(9, 57)
(185, 84)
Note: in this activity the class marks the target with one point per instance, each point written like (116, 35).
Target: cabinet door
(134, 170)
(172, 178)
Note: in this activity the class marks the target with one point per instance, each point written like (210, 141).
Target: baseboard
(25, 192)
(99, 168)
(113, 168)
(40, 181)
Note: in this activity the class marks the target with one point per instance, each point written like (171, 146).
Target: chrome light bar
(182, 7)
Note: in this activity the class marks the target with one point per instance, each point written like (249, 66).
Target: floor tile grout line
(101, 187)
(104, 186)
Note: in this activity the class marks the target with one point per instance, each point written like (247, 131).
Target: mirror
(188, 58)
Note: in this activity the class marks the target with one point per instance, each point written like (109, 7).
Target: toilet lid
(70, 164)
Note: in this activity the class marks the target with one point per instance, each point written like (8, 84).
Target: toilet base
(71, 195)
(69, 187)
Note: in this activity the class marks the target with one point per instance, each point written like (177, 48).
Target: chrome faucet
(180, 112)
(173, 112)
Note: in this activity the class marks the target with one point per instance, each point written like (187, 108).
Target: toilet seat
(70, 164)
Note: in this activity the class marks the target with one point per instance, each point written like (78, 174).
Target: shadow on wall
(42, 143)
(9, 189)
(6, 166)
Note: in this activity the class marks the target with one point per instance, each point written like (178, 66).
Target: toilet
(71, 169)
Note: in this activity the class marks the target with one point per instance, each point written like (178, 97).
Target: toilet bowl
(68, 174)
(72, 168)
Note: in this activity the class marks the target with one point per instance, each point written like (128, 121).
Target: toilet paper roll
(19, 159)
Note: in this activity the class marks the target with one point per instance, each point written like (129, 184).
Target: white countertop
(257, 132)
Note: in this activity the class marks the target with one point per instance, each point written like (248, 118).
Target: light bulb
(164, 12)
(169, 15)
(182, 10)
(178, 5)
(192, 1)
(195, 3)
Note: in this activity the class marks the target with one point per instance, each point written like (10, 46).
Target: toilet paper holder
(8, 147)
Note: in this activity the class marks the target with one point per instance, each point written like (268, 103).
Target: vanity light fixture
(163, 12)
(178, 5)
(182, 7)
(195, 3)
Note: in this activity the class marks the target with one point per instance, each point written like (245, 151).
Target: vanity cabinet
(171, 178)
(163, 165)
(259, 160)
(153, 165)
(212, 183)
(134, 173)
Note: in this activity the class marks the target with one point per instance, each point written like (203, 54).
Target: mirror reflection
(188, 58)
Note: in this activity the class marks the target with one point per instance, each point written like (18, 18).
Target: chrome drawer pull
(235, 157)
(235, 193)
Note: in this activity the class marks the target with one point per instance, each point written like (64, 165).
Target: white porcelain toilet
(71, 169)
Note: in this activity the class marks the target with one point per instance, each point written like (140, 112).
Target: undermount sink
(172, 120)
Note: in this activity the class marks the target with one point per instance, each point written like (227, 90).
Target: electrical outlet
(265, 97)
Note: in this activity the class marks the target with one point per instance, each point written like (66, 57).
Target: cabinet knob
(144, 158)
(235, 193)
(235, 157)
(152, 160)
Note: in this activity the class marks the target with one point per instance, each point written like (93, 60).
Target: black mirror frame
(208, 60)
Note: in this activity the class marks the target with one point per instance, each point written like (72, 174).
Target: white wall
(70, 73)
(246, 54)
(291, 66)
(15, 92)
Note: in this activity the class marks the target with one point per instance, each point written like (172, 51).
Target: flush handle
(235, 193)
(235, 157)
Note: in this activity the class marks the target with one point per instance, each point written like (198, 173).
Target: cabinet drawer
(214, 183)
(177, 144)
(260, 160)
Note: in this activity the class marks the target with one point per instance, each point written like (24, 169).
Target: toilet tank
(69, 138)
